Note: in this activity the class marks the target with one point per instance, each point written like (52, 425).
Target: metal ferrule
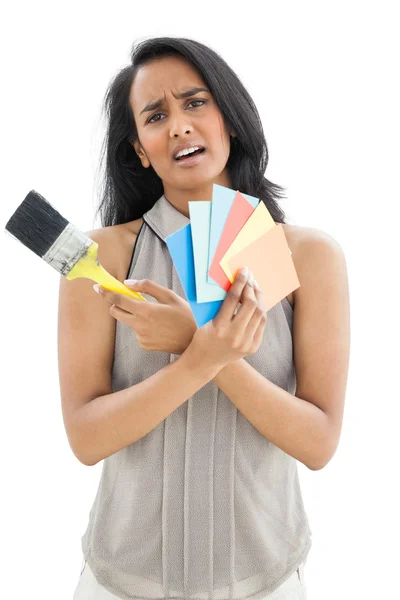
(68, 248)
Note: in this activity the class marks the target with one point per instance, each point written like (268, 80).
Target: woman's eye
(202, 101)
(157, 114)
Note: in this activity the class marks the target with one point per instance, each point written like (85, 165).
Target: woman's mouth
(190, 159)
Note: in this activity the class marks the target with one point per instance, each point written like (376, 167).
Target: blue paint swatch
(180, 246)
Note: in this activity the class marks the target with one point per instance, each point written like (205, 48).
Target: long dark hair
(128, 189)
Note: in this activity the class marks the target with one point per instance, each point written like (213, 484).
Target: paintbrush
(42, 229)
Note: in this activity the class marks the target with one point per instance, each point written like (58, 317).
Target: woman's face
(176, 121)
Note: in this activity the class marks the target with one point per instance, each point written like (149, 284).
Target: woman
(199, 429)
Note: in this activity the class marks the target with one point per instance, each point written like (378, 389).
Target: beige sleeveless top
(203, 506)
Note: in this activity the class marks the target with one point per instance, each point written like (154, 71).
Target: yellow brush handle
(89, 266)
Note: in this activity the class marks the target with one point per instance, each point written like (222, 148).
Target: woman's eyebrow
(182, 94)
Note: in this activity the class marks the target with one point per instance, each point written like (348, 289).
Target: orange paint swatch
(270, 260)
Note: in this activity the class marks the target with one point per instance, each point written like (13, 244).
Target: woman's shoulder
(303, 242)
(301, 237)
(116, 244)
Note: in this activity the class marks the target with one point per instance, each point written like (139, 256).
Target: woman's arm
(97, 420)
(306, 425)
(111, 422)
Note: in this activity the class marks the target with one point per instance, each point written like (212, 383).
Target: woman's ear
(141, 153)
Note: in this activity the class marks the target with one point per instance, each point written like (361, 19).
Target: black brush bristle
(36, 223)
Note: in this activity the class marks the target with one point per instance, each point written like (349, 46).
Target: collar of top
(164, 218)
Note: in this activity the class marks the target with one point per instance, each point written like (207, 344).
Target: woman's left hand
(167, 325)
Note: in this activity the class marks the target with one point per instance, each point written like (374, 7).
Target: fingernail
(130, 281)
(96, 288)
(256, 284)
(245, 271)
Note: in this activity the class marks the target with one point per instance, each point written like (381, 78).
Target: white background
(325, 78)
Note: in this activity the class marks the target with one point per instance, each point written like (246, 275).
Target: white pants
(88, 587)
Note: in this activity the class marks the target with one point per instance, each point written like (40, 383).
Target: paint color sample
(222, 200)
(258, 223)
(238, 215)
(270, 260)
(181, 249)
(200, 217)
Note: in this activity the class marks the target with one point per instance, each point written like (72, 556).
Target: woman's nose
(179, 123)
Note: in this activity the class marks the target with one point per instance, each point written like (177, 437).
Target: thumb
(146, 286)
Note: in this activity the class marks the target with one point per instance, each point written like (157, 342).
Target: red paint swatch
(240, 211)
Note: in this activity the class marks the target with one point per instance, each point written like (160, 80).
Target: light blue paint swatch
(200, 217)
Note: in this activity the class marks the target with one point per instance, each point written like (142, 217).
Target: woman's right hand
(229, 336)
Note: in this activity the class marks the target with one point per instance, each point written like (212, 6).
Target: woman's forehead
(160, 78)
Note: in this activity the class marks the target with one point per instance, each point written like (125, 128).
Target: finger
(259, 318)
(127, 318)
(121, 314)
(260, 329)
(151, 288)
(259, 333)
(124, 302)
(249, 309)
(232, 298)
(260, 296)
